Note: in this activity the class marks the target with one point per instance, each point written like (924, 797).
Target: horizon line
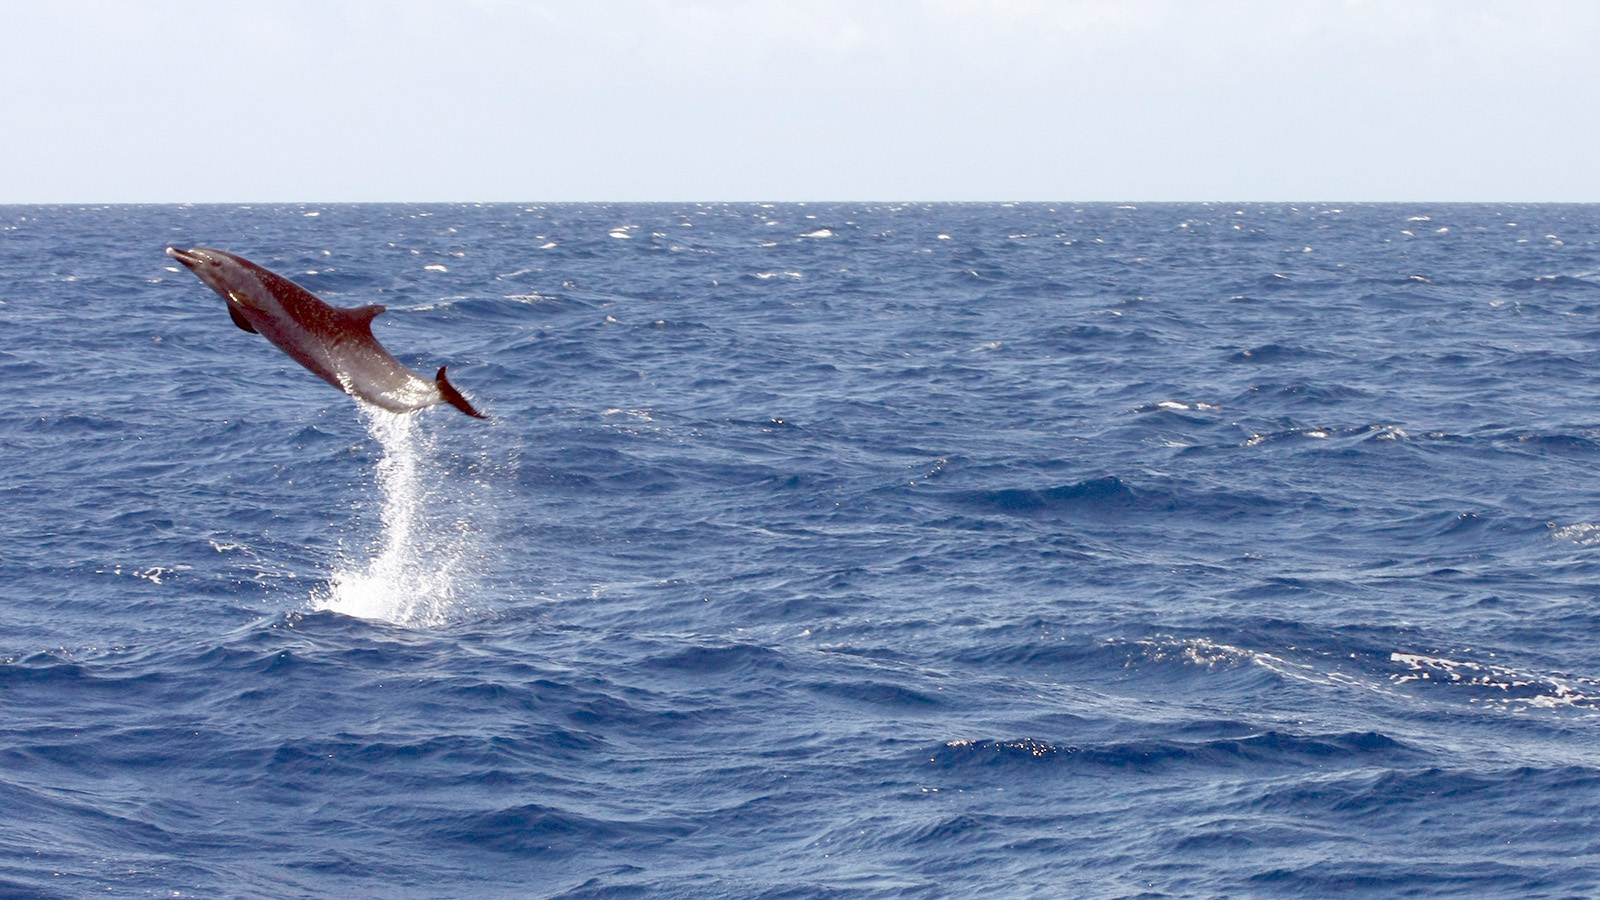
(836, 202)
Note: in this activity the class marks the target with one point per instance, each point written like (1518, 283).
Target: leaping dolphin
(335, 343)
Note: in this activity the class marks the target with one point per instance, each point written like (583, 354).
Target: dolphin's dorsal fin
(240, 320)
(362, 316)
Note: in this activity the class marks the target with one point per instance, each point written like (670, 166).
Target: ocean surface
(827, 550)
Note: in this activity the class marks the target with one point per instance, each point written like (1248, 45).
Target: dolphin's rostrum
(335, 343)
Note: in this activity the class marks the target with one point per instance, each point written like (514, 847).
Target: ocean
(810, 550)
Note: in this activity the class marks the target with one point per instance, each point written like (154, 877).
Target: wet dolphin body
(335, 343)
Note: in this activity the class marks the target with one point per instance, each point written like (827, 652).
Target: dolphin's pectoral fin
(240, 320)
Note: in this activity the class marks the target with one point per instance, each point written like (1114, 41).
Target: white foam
(1584, 534)
(1515, 686)
(421, 565)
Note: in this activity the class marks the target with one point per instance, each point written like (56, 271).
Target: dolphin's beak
(183, 256)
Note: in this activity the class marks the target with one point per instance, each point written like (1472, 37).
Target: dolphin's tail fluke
(453, 396)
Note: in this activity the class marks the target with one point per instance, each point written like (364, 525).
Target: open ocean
(811, 550)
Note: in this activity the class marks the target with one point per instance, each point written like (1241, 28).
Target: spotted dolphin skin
(335, 343)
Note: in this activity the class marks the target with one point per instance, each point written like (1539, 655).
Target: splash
(420, 569)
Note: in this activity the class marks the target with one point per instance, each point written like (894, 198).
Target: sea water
(811, 550)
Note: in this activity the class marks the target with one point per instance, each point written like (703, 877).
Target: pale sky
(527, 100)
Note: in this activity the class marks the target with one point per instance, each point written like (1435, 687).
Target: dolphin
(335, 343)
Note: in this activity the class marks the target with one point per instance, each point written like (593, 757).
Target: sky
(114, 101)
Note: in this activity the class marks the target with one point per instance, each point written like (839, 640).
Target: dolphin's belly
(368, 371)
(291, 339)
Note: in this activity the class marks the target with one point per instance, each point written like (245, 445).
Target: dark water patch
(1092, 339)
(74, 423)
(312, 434)
(1253, 751)
(1110, 497)
(1276, 281)
(1551, 283)
(1295, 393)
(737, 658)
(1560, 444)
(1401, 791)
(1337, 878)
(38, 889)
(876, 693)
(1272, 354)
(538, 830)
(607, 887)
(1443, 523)
(1039, 648)
(1105, 495)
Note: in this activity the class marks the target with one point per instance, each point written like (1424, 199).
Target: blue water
(859, 551)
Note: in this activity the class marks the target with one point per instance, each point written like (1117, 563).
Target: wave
(1110, 496)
